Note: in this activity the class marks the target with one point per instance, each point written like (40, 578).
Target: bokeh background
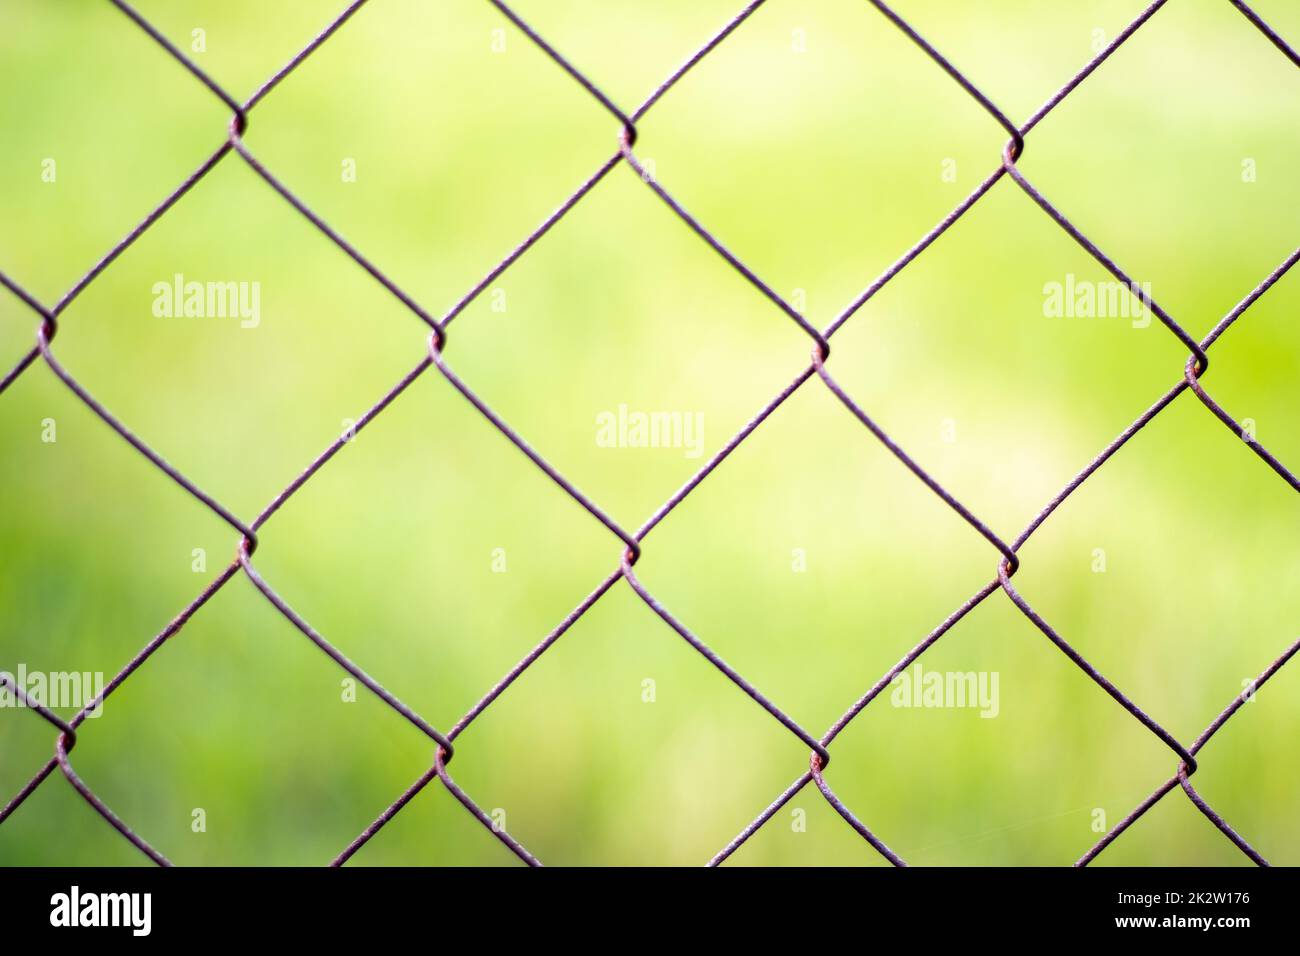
(813, 142)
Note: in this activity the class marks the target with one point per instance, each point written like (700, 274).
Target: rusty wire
(1191, 377)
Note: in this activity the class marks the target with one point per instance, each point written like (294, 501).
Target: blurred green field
(819, 143)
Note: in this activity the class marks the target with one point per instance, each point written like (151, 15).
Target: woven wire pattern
(1195, 368)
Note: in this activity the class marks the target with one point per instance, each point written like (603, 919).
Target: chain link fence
(631, 542)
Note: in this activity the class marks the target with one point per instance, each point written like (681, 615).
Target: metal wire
(1191, 379)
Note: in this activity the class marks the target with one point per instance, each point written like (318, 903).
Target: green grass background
(818, 168)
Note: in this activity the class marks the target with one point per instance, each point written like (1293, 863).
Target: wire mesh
(1193, 372)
